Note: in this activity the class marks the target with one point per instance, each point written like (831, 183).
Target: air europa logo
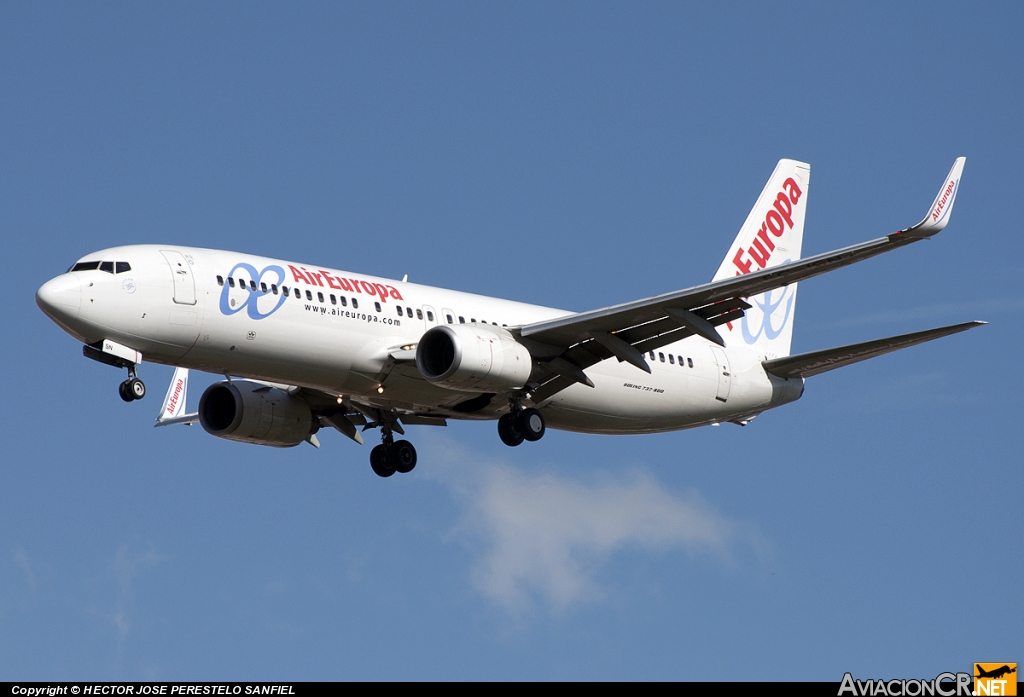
(767, 304)
(352, 285)
(778, 219)
(946, 195)
(174, 401)
(258, 303)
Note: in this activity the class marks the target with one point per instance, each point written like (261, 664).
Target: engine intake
(254, 413)
(473, 358)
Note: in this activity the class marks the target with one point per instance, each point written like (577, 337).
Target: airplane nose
(61, 298)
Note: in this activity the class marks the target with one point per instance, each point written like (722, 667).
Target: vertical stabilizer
(772, 234)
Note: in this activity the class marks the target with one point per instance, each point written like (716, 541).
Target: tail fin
(773, 234)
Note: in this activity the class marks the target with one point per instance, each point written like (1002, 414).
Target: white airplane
(303, 347)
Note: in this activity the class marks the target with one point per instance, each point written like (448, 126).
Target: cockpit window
(107, 266)
(86, 266)
(123, 267)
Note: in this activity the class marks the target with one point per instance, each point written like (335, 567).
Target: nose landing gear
(111, 353)
(132, 388)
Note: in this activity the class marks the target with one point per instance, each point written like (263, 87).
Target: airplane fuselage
(338, 332)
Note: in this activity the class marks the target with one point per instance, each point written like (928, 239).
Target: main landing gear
(519, 425)
(392, 456)
(132, 388)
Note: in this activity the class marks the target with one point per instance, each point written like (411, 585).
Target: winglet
(942, 206)
(173, 409)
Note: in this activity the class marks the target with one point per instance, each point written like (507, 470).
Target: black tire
(379, 462)
(136, 388)
(508, 431)
(531, 424)
(122, 390)
(402, 456)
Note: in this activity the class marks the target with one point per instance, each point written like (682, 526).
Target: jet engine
(473, 358)
(251, 412)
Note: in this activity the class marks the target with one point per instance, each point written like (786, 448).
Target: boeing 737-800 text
(303, 346)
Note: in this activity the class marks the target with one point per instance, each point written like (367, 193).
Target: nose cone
(61, 298)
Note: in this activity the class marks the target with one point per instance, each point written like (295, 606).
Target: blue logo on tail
(768, 306)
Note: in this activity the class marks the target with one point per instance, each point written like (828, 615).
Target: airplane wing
(806, 365)
(568, 345)
(345, 417)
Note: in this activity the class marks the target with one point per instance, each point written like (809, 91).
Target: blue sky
(568, 154)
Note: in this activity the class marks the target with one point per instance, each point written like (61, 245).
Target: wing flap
(806, 365)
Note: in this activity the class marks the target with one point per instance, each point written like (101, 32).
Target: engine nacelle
(473, 358)
(253, 413)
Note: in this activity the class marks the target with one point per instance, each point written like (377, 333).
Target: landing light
(380, 389)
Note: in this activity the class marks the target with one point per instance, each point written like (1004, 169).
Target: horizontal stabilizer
(816, 362)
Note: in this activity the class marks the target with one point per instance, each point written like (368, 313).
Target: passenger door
(181, 273)
(724, 375)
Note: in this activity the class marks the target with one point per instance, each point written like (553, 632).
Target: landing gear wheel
(402, 456)
(379, 462)
(122, 390)
(508, 431)
(530, 424)
(136, 388)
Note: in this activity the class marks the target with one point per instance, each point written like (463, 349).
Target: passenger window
(309, 295)
(377, 305)
(661, 356)
(652, 355)
(419, 314)
(408, 312)
(107, 266)
(462, 320)
(449, 318)
(681, 362)
(671, 359)
(284, 291)
(320, 297)
(273, 288)
(123, 267)
(263, 287)
(344, 303)
(355, 304)
(473, 320)
(334, 300)
(399, 308)
(430, 316)
(689, 361)
(252, 284)
(231, 281)
(220, 280)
